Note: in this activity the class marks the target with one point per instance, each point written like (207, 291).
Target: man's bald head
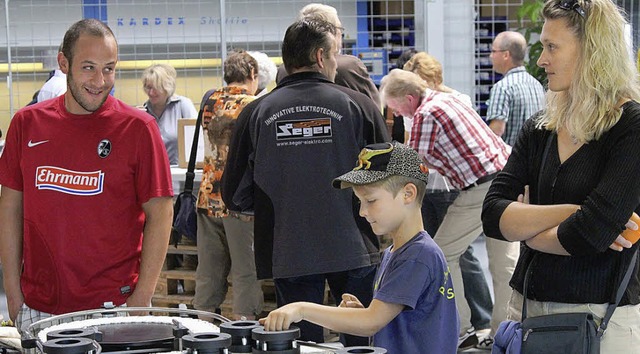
(514, 43)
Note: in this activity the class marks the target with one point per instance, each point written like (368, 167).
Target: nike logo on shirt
(32, 144)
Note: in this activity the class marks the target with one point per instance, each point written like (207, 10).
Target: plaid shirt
(515, 99)
(455, 141)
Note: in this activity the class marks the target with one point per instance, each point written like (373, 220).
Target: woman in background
(225, 237)
(159, 83)
(267, 71)
(430, 70)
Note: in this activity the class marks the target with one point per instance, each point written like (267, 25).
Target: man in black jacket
(351, 71)
(286, 149)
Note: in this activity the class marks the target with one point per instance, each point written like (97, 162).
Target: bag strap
(619, 294)
(545, 152)
(190, 175)
(527, 276)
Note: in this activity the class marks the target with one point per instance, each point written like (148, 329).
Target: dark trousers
(434, 207)
(310, 288)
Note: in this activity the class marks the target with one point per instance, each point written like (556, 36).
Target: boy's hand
(280, 319)
(349, 300)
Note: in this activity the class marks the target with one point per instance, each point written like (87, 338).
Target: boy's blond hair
(394, 184)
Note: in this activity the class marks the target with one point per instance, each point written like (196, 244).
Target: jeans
(434, 207)
(310, 288)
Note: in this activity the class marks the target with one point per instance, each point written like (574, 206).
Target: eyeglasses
(499, 50)
(572, 5)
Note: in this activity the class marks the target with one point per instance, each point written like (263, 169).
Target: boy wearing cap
(414, 308)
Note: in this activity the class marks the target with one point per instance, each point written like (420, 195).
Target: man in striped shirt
(518, 95)
(452, 139)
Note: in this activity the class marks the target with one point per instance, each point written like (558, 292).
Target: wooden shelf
(176, 285)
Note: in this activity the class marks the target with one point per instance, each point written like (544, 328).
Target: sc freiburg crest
(104, 148)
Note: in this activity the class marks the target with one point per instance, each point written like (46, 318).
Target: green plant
(530, 17)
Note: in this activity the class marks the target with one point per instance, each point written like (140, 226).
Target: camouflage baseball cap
(379, 161)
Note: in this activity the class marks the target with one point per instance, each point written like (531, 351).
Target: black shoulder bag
(567, 333)
(184, 209)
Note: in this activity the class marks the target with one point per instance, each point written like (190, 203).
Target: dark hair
(405, 57)
(303, 39)
(89, 26)
(238, 65)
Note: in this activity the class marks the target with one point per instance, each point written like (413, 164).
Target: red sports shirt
(84, 179)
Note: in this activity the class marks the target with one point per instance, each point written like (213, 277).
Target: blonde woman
(430, 70)
(584, 193)
(159, 83)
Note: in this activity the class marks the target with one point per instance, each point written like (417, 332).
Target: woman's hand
(524, 198)
(618, 245)
(621, 243)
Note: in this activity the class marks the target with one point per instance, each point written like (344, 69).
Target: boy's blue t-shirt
(417, 276)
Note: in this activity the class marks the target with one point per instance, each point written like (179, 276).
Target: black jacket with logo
(286, 149)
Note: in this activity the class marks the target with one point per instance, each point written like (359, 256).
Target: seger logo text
(70, 182)
(305, 129)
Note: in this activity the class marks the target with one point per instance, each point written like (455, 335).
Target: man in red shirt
(85, 210)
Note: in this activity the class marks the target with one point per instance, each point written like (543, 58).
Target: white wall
(44, 22)
(446, 32)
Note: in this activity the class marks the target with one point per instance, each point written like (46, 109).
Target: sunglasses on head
(570, 5)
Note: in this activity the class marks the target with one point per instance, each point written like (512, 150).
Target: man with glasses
(518, 95)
